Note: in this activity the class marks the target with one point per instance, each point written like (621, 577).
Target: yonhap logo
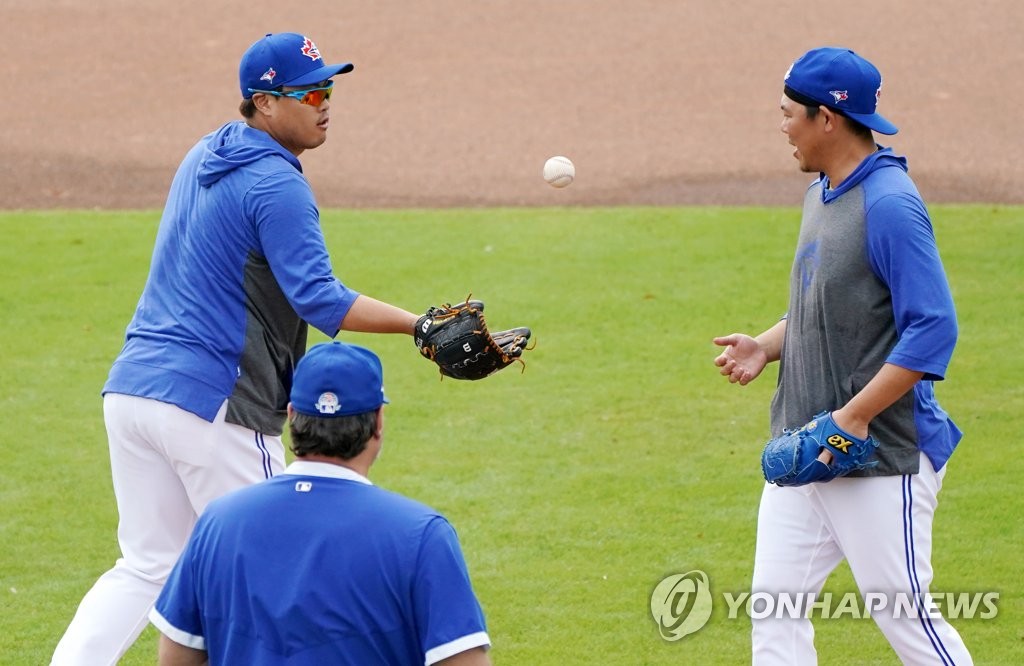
(681, 604)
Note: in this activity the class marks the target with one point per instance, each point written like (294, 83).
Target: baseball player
(318, 565)
(194, 405)
(870, 327)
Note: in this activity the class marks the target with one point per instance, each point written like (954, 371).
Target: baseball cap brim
(873, 121)
(320, 74)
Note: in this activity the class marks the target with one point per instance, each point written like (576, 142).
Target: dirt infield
(458, 103)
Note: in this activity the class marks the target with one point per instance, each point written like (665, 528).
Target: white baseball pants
(167, 465)
(883, 527)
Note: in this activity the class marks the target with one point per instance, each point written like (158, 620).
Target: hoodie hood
(235, 145)
(880, 159)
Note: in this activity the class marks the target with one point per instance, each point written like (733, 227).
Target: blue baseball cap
(337, 379)
(841, 80)
(284, 59)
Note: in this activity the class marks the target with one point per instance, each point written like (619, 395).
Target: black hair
(247, 108)
(342, 437)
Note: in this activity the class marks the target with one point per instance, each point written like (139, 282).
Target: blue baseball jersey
(868, 288)
(238, 269)
(318, 566)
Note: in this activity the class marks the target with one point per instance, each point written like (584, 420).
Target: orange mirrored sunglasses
(310, 96)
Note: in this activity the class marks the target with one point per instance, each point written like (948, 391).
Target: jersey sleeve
(176, 613)
(288, 226)
(904, 255)
(448, 616)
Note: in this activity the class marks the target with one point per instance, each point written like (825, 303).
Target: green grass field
(617, 458)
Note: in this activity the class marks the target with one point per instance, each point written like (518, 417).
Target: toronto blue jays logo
(309, 49)
(268, 75)
(840, 95)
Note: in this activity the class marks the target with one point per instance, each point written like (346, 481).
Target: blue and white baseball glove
(791, 459)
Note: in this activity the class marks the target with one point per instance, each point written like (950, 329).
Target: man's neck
(357, 464)
(847, 160)
(258, 123)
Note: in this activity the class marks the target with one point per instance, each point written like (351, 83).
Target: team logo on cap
(309, 49)
(327, 403)
(268, 75)
(840, 95)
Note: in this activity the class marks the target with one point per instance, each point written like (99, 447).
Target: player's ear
(378, 430)
(291, 412)
(262, 102)
(829, 118)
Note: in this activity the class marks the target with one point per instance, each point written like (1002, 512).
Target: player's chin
(802, 162)
(318, 137)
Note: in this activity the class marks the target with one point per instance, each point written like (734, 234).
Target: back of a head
(336, 392)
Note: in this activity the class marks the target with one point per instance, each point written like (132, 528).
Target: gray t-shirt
(840, 330)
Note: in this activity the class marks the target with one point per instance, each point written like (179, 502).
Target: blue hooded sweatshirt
(238, 269)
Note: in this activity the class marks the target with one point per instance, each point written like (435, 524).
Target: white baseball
(559, 171)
